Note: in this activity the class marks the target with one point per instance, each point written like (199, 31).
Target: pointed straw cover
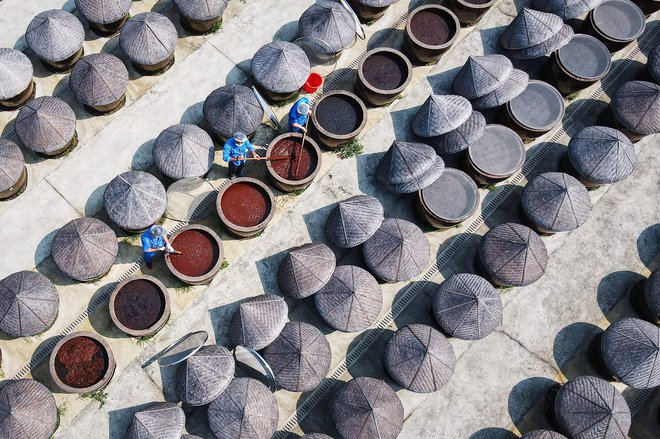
(367, 408)
(317, 435)
(84, 249)
(542, 434)
(353, 221)
(305, 270)
(258, 321)
(328, 21)
(55, 35)
(351, 300)
(653, 63)
(299, 357)
(162, 420)
(589, 407)
(201, 10)
(513, 254)
(467, 306)
(602, 154)
(204, 375)
(636, 105)
(404, 161)
(556, 42)
(425, 179)
(556, 202)
(462, 137)
(529, 28)
(231, 109)
(398, 251)
(482, 75)
(15, 73)
(280, 67)
(245, 410)
(103, 11)
(27, 410)
(566, 9)
(148, 38)
(513, 87)
(419, 358)
(45, 124)
(12, 164)
(99, 79)
(135, 200)
(631, 352)
(29, 304)
(441, 114)
(184, 151)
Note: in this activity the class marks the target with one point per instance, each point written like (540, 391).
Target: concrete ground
(499, 384)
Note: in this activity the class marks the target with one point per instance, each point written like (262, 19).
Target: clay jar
(581, 63)
(338, 118)
(469, 12)
(448, 201)
(430, 31)
(245, 206)
(496, 156)
(616, 23)
(367, 13)
(535, 111)
(82, 362)
(383, 74)
(140, 306)
(298, 172)
(201, 258)
(21, 98)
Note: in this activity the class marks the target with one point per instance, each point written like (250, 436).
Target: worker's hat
(158, 231)
(240, 137)
(303, 108)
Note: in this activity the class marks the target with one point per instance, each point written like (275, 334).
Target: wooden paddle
(272, 157)
(302, 145)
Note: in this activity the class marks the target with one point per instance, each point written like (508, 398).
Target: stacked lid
(164, 420)
(15, 73)
(330, 22)
(184, 151)
(533, 34)
(201, 10)
(12, 164)
(636, 105)
(55, 35)
(542, 434)
(148, 38)
(46, 125)
(353, 221)
(27, 410)
(441, 114)
(652, 295)
(653, 64)
(29, 304)
(103, 11)
(408, 167)
(204, 375)
(280, 67)
(305, 270)
(135, 200)
(566, 9)
(602, 155)
(99, 79)
(231, 109)
(461, 138)
(258, 321)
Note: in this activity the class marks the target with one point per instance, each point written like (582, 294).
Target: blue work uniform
(295, 117)
(149, 242)
(231, 150)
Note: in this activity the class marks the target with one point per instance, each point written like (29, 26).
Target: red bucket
(313, 83)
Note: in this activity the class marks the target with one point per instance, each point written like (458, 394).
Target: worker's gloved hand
(160, 249)
(170, 249)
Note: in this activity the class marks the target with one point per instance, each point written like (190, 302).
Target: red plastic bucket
(313, 82)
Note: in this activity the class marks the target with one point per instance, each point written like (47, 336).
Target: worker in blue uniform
(234, 153)
(153, 241)
(298, 115)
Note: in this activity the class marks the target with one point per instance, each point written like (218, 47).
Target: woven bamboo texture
(232, 108)
(305, 270)
(425, 179)
(404, 161)
(316, 435)
(329, 22)
(99, 79)
(162, 420)
(184, 151)
(653, 64)
(513, 87)
(190, 436)
(148, 38)
(529, 28)
(542, 434)
(45, 124)
(135, 200)
(481, 75)
(636, 105)
(462, 137)
(204, 375)
(201, 10)
(377, 3)
(353, 221)
(280, 67)
(29, 304)
(652, 294)
(55, 35)
(440, 114)
(27, 411)
(258, 321)
(12, 164)
(566, 9)
(15, 73)
(552, 44)
(103, 11)
(602, 154)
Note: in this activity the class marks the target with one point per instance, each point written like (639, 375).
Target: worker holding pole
(299, 114)
(235, 152)
(153, 241)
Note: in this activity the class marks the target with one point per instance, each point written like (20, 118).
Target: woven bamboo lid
(441, 114)
(351, 301)
(398, 251)
(55, 35)
(467, 306)
(184, 151)
(513, 86)
(529, 28)
(103, 11)
(305, 270)
(425, 179)
(556, 202)
(12, 164)
(592, 408)
(404, 161)
(653, 63)
(135, 200)
(419, 358)
(204, 375)
(162, 420)
(542, 434)
(353, 221)
(602, 154)
(566, 9)
(554, 43)
(481, 75)
(631, 352)
(367, 408)
(84, 249)
(330, 22)
(46, 124)
(29, 304)
(513, 254)
(190, 436)
(462, 137)
(99, 79)
(245, 410)
(148, 38)
(280, 67)
(231, 109)
(636, 105)
(15, 73)
(375, 4)
(201, 10)
(652, 294)
(319, 435)
(258, 321)
(27, 410)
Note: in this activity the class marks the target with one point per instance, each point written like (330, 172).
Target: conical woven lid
(513, 87)
(653, 63)
(631, 352)
(184, 151)
(441, 114)
(245, 410)
(566, 9)
(15, 73)
(319, 435)
(12, 164)
(45, 124)
(330, 22)
(552, 44)
(280, 67)
(602, 154)
(29, 304)
(27, 410)
(376, 4)
(84, 249)
(135, 200)
(542, 434)
(305, 270)
(419, 358)
(513, 254)
(201, 10)
(652, 294)
(592, 408)
(299, 357)
(148, 38)
(398, 251)
(425, 179)
(481, 75)
(367, 408)
(103, 11)
(204, 375)
(99, 79)
(231, 109)
(258, 321)
(162, 420)
(353, 221)
(529, 28)
(351, 300)
(636, 104)
(556, 202)
(55, 35)
(404, 161)
(467, 306)
(462, 137)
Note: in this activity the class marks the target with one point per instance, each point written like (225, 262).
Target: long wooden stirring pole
(302, 145)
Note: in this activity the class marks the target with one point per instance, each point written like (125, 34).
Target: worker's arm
(225, 152)
(300, 127)
(250, 147)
